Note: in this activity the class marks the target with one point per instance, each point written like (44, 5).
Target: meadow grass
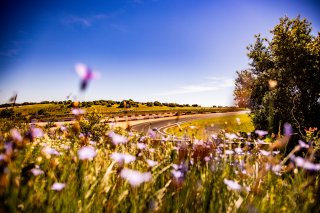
(205, 127)
(62, 169)
(60, 111)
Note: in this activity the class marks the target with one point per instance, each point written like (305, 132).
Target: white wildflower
(152, 163)
(87, 153)
(135, 178)
(122, 158)
(58, 186)
(232, 184)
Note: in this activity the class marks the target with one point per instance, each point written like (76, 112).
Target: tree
(6, 113)
(157, 103)
(286, 73)
(243, 88)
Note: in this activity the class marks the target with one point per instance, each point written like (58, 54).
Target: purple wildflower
(303, 144)
(305, 164)
(86, 74)
(287, 129)
(15, 134)
(36, 132)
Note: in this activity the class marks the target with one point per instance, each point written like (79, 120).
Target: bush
(6, 113)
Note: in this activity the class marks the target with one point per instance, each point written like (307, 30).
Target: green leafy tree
(286, 72)
(157, 103)
(243, 88)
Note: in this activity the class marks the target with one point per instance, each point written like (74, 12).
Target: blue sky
(184, 51)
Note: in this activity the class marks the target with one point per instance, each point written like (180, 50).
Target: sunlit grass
(204, 127)
(65, 170)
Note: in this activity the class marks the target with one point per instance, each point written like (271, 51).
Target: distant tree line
(108, 103)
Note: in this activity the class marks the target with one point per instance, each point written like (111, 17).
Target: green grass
(203, 128)
(97, 185)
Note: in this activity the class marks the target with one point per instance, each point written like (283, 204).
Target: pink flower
(86, 74)
(87, 153)
(135, 178)
(58, 186)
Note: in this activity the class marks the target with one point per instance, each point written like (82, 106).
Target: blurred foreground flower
(87, 153)
(151, 163)
(35, 133)
(36, 171)
(15, 134)
(264, 152)
(77, 111)
(122, 158)
(303, 145)
(238, 150)
(234, 185)
(135, 178)
(86, 74)
(58, 186)
(49, 151)
(287, 129)
(305, 164)
(141, 145)
(261, 133)
(117, 139)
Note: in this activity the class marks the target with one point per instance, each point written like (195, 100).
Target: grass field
(93, 167)
(61, 111)
(204, 128)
